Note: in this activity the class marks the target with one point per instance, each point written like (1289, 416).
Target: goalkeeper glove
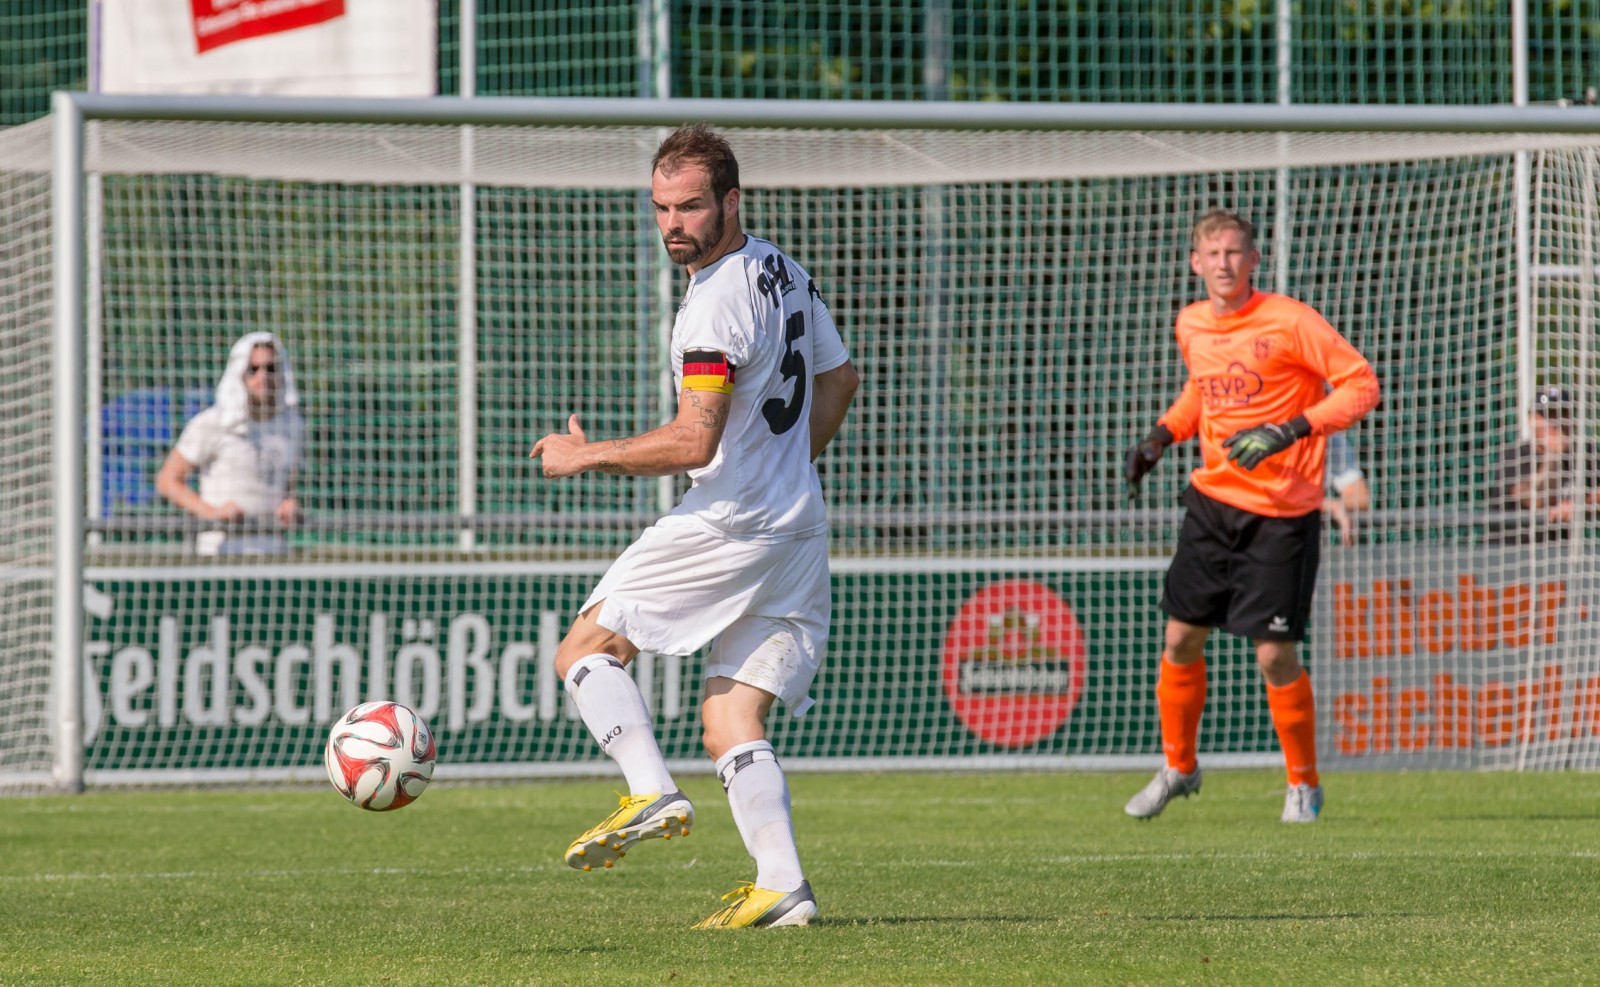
(1143, 456)
(1249, 447)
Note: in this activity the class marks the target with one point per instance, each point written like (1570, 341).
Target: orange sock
(1181, 697)
(1294, 715)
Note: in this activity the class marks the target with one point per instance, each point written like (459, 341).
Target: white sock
(613, 709)
(759, 796)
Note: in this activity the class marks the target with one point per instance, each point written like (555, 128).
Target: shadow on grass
(837, 921)
(1267, 917)
(572, 950)
(1512, 818)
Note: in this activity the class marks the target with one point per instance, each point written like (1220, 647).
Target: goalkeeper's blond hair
(1217, 220)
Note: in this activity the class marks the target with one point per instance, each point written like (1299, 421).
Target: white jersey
(251, 467)
(759, 309)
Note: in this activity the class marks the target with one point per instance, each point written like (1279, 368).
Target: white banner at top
(261, 47)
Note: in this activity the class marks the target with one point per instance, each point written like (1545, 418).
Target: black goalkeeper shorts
(1246, 573)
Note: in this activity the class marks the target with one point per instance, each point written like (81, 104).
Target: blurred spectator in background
(1537, 477)
(246, 447)
(1348, 492)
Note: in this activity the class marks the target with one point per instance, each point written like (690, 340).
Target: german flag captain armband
(707, 370)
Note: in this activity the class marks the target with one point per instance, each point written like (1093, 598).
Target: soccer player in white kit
(246, 447)
(764, 382)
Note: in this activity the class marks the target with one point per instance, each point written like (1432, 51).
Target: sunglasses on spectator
(256, 368)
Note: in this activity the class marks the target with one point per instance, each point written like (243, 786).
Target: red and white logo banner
(268, 47)
(221, 22)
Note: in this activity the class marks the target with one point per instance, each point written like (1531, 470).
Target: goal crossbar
(845, 115)
(599, 143)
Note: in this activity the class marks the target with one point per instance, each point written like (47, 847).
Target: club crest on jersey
(707, 370)
(1263, 348)
(1236, 386)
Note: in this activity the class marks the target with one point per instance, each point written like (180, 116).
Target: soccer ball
(380, 756)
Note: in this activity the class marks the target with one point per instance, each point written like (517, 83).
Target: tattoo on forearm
(611, 465)
(709, 417)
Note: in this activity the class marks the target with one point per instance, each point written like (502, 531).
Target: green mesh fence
(43, 47)
(997, 324)
(1384, 51)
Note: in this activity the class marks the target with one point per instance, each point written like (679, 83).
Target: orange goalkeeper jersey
(1268, 362)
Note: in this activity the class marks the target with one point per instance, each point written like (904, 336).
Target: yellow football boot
(639, 817)
(755, 907)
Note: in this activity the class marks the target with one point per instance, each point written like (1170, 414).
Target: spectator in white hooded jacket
(246, 448)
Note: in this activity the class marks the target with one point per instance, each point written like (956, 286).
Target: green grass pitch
(1010, 878)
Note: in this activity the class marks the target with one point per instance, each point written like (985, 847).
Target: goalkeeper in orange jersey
(1258, 395)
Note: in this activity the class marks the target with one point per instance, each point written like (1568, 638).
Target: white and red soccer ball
(380, 756)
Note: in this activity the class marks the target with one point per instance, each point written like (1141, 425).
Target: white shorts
(766, 605)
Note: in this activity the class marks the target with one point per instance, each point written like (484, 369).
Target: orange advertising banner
(1456, 656)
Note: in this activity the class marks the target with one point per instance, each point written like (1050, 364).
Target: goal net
(1008, 297)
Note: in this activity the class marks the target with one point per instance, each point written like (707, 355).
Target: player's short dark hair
(698, 144)
(1217, 220)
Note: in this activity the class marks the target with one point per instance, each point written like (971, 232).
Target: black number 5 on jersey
(781, 415)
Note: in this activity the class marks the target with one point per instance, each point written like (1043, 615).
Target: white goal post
(1006, 276)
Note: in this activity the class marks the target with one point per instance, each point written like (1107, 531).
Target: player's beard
(693, 249)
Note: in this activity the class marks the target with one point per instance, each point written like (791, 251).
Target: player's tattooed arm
(689, 441)
(711, 416)
(700, 417)
(619, 450)
(697, 428)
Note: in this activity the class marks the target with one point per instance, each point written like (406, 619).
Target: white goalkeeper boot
(1303, 804)
(1168, 784)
